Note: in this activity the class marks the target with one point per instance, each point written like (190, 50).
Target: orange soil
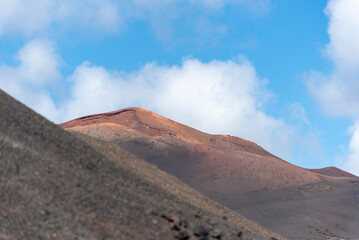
(219, 162)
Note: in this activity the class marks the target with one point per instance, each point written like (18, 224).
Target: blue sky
(280, 73)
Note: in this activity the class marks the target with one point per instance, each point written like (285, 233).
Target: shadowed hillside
(56, 186)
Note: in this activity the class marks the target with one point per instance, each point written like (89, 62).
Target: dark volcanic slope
(298, 203)
(55, 186)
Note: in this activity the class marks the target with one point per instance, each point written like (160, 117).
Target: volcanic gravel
(55, 186)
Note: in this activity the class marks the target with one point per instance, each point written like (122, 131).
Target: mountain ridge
(237, 173)
(140, 120)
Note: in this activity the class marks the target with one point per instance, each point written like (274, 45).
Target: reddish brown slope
(211, 163)
(237, 173)
(333, 172)
(155, 125)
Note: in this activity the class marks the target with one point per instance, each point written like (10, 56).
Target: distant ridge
(237, 173)
(134, 125)
(333, 172)
(154, 125)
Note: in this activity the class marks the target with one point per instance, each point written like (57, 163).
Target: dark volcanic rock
(55, 186)
(216, 233)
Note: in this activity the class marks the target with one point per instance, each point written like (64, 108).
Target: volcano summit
(290, 200)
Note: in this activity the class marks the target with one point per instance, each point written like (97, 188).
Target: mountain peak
(154, 125)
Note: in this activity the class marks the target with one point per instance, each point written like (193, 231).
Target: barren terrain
(57, 185)
(295, 202)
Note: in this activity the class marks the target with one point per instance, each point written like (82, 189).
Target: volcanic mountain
(57, 185)
(239, 174)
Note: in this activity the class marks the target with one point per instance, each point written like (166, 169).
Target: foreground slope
(55, 186)
(297, 202)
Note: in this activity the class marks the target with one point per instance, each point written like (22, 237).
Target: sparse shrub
(265, 187)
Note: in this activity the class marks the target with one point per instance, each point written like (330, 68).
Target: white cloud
(195, 16)
(298, 113)
(337, 92)
(38, 18)
(223, 97)
(38, 69)
(25, 16)
(211, 4)
(351, 163)
(94, 90)
(33, 17)
(39, 62)
(343, 33)
(100, 15)
(257, 7)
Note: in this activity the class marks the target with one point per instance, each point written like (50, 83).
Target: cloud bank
(216, 97)
(337, 92)
(50, 18)
(32, 79)
(226, 97)
(32, 17)
(221, 97)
